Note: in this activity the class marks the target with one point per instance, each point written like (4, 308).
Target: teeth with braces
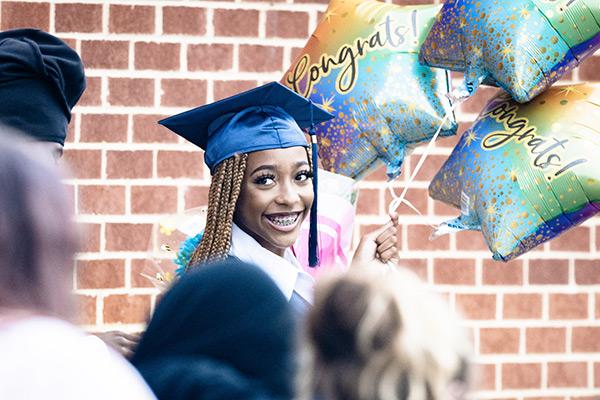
(284, 221)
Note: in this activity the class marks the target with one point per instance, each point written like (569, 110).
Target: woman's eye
(264, 180)
(303, 176)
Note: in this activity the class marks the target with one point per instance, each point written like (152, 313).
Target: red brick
(575, 239)
(568, 306)
(485, 377)
(25, 15)
(418, 239)
(498, 340)
(223, 89)
(567, 374)
(86, 309)
(418, 266)
(545, 340)
(521, 376)
(90, 237)
(180, 164)
(470, 240)
(93, 91)
(235, 22)
(129, 164)
(596, 374)
(158, 56)
(196, 196)
(126, 309)
(587, 272)
(78, 17)
(416, 197)
(287, 24)
(210, 57)
(441, 208)
(368, 202)
(96, 199)
(522, 306)
(586, 340)
(295, 52)
(453, 271)
(128, 237)
(153, 199)
(146, 129)
(183, 92)
(589, 69)
(131, 92)
(131, 19)
(260, 58)
(597, 302)
(184, 21)
(430, 167)
(83, 164)
(100, 274)
(501, 273)
(476, 103)
(476, 306)
(139, 267)
(103, 128)
(105, 54)
(377, 175)
(548, 272)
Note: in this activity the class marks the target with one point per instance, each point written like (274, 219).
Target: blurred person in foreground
(376, 334)
(223, 332)
(43, 355)
(41, 80)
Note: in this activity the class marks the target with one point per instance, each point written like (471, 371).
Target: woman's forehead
(278, 158)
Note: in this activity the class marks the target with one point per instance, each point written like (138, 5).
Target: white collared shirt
(286, 271)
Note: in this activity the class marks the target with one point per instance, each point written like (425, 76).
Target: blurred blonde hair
(380, 334)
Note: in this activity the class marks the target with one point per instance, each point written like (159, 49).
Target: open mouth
(284, 221)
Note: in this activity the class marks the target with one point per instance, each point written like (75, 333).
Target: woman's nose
(287, 194)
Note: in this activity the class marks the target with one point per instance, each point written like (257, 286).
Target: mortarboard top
(263, 118)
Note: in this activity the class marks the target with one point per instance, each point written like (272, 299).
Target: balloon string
(397, 200)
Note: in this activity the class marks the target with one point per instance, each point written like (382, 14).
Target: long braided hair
(222, 197)
(223, 194)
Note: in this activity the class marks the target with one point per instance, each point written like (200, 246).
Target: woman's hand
(123, 343)
(379, 245)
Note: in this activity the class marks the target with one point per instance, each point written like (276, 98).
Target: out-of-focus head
(375, 334)
(224, 328)
(37, 234)
(41, 80)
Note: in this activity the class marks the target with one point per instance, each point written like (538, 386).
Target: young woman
(262, 184)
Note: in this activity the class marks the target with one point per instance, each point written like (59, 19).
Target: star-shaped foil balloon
(361, 64)
(523, 46)
(525, 173)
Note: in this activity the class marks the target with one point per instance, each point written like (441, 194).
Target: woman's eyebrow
(266, 166)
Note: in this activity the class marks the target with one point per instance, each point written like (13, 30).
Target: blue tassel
(313, 233)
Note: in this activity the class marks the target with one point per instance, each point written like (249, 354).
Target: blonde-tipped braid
(222, 198)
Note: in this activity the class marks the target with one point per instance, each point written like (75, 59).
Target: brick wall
(536, 320)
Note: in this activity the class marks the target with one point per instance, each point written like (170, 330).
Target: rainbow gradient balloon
(361, 64)
(525, 173)
(523, 46)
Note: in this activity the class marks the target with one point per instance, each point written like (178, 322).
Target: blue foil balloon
(361, 64)
(525, 173)
(523, 46)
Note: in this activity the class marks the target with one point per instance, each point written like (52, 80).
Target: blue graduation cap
(267, 117)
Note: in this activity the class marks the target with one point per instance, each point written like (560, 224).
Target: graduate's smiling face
(275, 197)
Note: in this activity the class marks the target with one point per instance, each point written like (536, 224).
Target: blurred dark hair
(37, 233)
